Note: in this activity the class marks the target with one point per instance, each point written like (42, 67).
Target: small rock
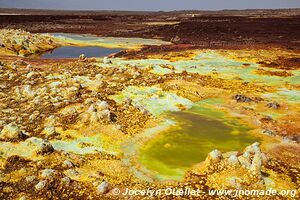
(118, 127)
(82, 57)
(103, 187)
(41, 185)
(136, 74)
(273, 105)
(31, 75)
(45, 147)
(34, 116)
(268, 132)
(65, 181)
(242, 98)
(48, 173)
(99, 76)
(214, 156)
(73, 172)
(49, 130)
(102, 105)
(27, 91)
(30, 178)
(11, 131)
(67, 164)
(105, 114)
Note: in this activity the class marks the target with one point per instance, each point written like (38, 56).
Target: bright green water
(196, 133)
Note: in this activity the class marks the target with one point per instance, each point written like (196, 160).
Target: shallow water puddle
(196, 133)
(76, 51)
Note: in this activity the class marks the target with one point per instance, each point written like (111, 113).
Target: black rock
(242, 98)
(273, 105)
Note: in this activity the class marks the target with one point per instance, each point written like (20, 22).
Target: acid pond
(196, 133)
(76, 51)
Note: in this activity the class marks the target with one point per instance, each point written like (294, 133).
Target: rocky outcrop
(11, 132)
(20, 42)
(96, 112)
(235, 169)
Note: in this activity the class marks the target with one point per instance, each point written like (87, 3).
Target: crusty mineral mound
(19, 42)
(238, 170)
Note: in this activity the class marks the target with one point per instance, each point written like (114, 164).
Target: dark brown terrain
(200, 29)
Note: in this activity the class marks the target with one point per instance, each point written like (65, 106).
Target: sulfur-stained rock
(45, 147)
(41, 185)
(99, 77)
(49, 130)
(65, 181)
(105, 114)
(136, 75)
(11, 132)
(30, 178)
(27, 91)
(72, 172)
(68, 164)
(47, 173)
(94, 117)
(101, 105)
(214, 156)
(239, 171)
(103, 187)
(31, 75)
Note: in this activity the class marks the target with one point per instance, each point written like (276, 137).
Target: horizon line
(210, 10)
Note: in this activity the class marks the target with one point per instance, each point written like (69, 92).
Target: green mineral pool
(197, 132)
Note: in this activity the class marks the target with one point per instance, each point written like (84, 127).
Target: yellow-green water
(196, 133)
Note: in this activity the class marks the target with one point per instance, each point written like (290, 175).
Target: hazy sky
(149, 4)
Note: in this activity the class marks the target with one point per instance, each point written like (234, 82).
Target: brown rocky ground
(223, 29)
